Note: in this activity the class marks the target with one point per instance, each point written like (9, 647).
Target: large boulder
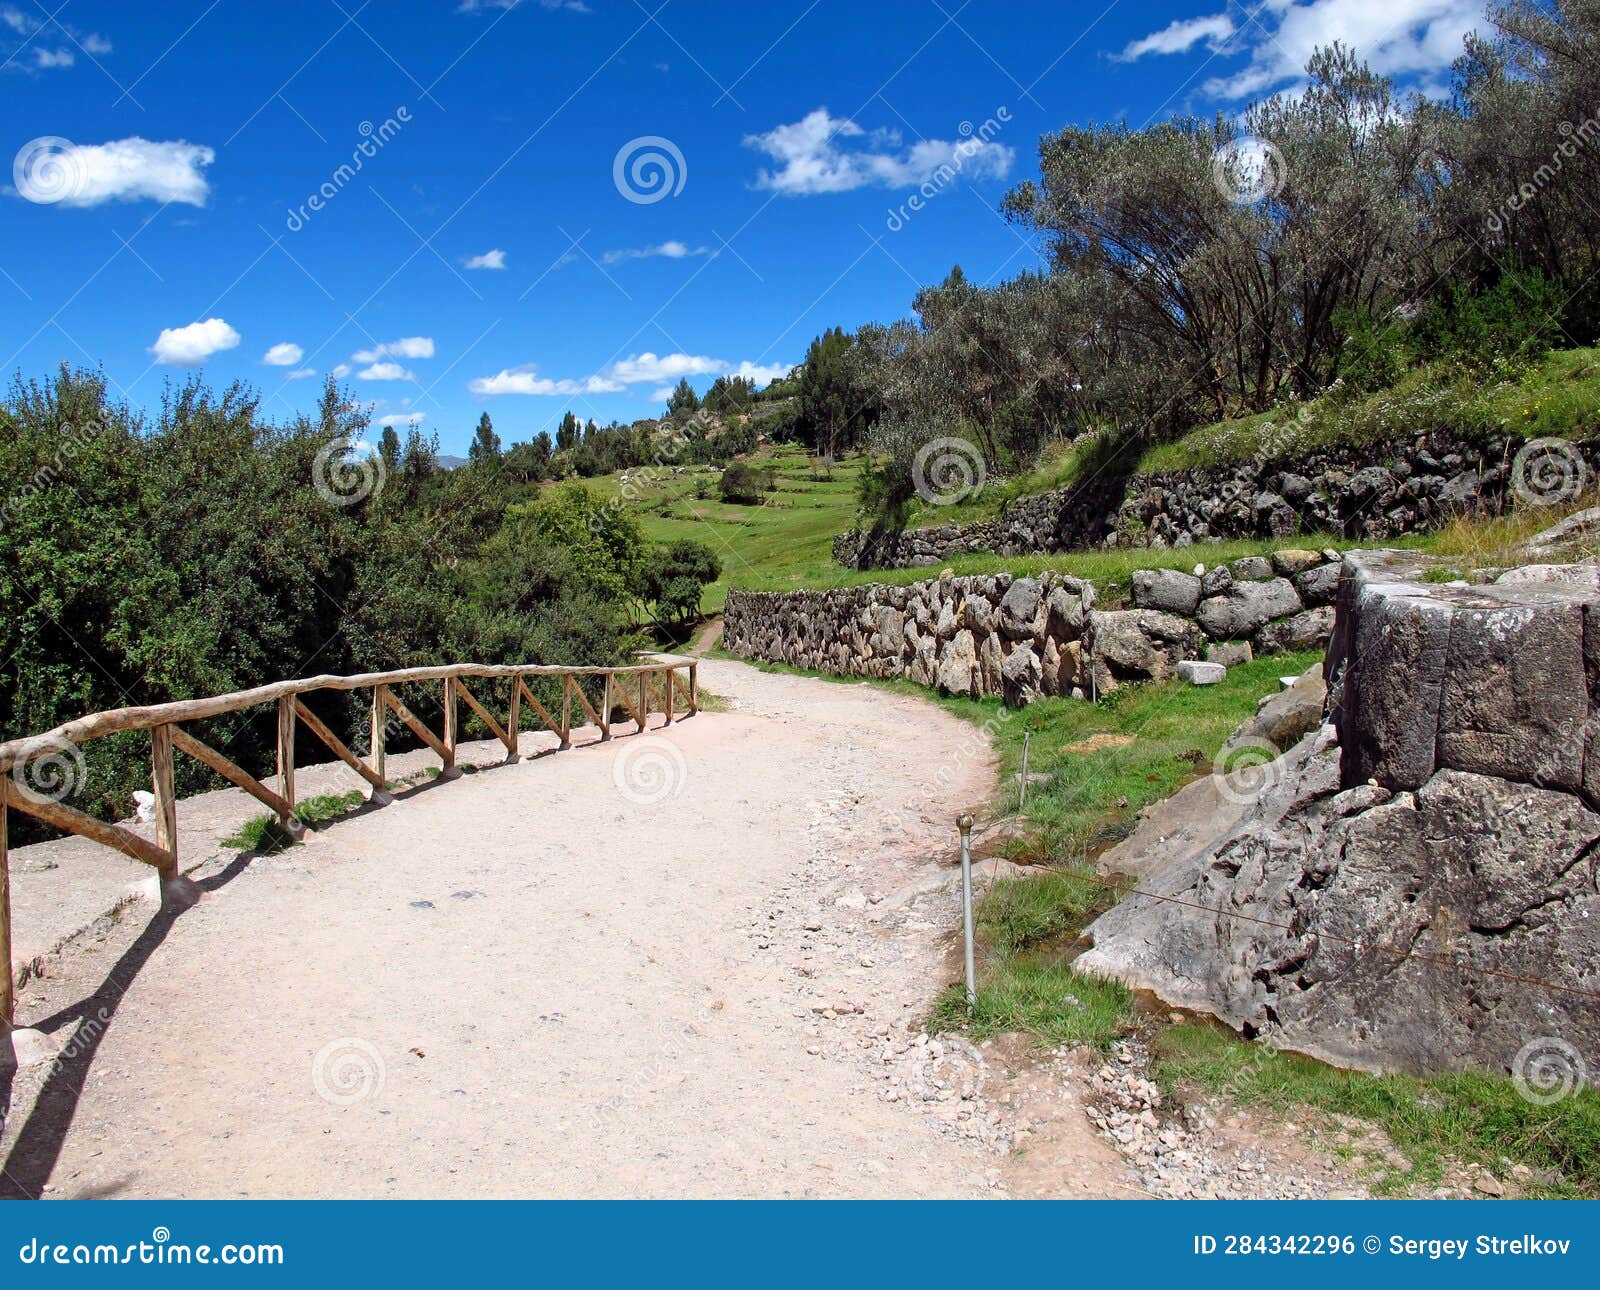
(1490, 679)
(1170, 590)
(1246, 607)
(1140, 644)
(1022, 675)
(1018, 607)
(1310, 629)
(958, 667)
(1379, 930)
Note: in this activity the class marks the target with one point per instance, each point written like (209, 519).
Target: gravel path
(673, 965)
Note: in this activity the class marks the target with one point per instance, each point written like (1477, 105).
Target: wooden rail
(626, 687)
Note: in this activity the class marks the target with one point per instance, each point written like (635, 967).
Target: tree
(673, 578)
(567, 433)
(744, 484)
(838, 399)
(683, 402)
(389, 448)
(485, 446)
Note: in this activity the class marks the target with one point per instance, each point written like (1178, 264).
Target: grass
(1558, 396)
(266, 835)
(1479, 1119)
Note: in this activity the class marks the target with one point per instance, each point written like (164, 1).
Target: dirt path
(674, 965)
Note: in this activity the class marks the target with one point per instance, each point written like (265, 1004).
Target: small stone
(1197, 673)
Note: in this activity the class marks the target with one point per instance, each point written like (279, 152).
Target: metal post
(964, 823)
(1022, 794)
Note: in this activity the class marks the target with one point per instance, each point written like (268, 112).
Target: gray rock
(1066, 614)
(978, 614)
(1023, 676)
(1018, 607)
(1167, 589)
(1247, 606)
(1197, 673)
(958, 667)
(1290, 561)
(1216, 581)
(1283, 719)
(1310, 629)
(1251, 568)
(1230, 653)
(1319, 586)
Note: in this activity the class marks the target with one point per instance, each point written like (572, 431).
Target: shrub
(745, 484)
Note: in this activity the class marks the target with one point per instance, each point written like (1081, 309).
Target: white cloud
(340, 371)
(660, 370)
(125, 170)
(571, 6)
(283, 354)
(668, 250)
(299, 373)
(385, 372)
(812, 159)
(762, 374)
(405, 347)
(94, 43)
(1181, 35)
(47, 58)
(17, 21)
(192, 345)
(403, 419)
(26, 24)
(661, 394)
(1405, 39)
(495, 259)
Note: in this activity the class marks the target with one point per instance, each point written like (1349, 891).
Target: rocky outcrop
(1368, 492)
(1025, 637)
(1414, 885)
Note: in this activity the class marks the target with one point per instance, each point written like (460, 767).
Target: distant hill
(446, 462)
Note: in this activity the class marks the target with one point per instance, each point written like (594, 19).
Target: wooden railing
(624, 687)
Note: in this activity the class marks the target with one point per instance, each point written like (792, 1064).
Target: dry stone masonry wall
(1368, 492)
(1020, 638)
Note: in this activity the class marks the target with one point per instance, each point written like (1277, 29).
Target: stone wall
(1412, 887)
(1369, 492)
(1023, 637)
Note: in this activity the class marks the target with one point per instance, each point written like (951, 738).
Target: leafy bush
(673, 577)
(745, 484)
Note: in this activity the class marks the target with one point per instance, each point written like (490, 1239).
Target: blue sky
(527, 207)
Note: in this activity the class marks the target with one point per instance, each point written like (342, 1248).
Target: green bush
(745, 484)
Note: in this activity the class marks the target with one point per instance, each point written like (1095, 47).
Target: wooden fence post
(671, 700)
(605, 709)
(694, 688)
(380, 723)
(8, 990)
(449, 739)
(166, 798)
(286, 749)
(644, 701)
(566, 710)
(513, 719)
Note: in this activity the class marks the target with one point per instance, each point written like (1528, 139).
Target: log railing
(625, 687)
